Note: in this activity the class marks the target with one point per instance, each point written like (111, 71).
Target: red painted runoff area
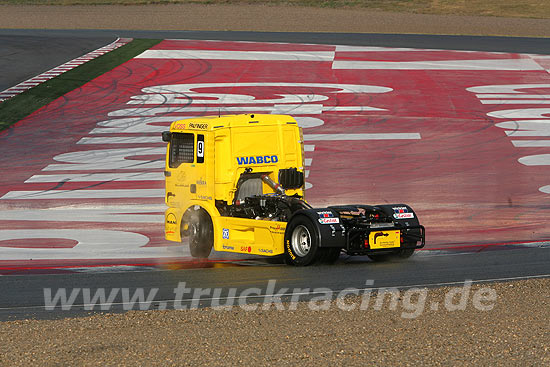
(462, 137)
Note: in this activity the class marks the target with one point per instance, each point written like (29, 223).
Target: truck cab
(216, 166)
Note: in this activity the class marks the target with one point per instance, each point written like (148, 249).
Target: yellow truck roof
(209, 123)
(234, 144)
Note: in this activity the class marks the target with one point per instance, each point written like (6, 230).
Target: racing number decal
(200, 148)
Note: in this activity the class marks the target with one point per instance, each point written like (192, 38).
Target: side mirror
(291, 178)
(166, 135)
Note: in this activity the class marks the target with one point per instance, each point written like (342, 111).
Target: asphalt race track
(19, 54)
(23, 296)
(459, 135)
(467, 43)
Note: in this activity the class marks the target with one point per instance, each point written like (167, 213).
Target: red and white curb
(52, 73)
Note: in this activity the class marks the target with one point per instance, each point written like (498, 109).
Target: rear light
(367, 243)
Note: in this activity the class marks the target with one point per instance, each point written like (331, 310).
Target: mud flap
(406, 217)
(327, 222)
(172, 224)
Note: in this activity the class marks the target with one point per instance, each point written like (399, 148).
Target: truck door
(186, 174)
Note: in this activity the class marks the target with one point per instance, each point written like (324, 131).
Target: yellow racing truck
(236, 183)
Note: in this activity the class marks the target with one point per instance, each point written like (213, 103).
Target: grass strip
(22, 105)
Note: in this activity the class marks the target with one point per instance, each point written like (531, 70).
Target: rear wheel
(380, 257)
(201, 234)
(301, 242)
(404, 253)
(400, 254)
(330, 255)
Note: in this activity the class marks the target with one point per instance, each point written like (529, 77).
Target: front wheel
(301, 242)
(201, 234)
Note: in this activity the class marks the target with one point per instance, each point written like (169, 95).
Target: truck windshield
(181, 149)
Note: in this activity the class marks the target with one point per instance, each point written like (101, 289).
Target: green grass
(506, 8)
(22, 105)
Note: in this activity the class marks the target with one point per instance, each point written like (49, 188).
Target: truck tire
(201, 234)
(401, 254)
(404, 253)
(330, 255)
(301, 242)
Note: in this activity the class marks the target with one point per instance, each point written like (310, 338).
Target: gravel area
(514, 332)
(262, 18)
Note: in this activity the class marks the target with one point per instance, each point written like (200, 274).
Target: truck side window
(181, 149)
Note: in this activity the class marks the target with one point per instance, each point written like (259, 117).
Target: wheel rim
(301, 241)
